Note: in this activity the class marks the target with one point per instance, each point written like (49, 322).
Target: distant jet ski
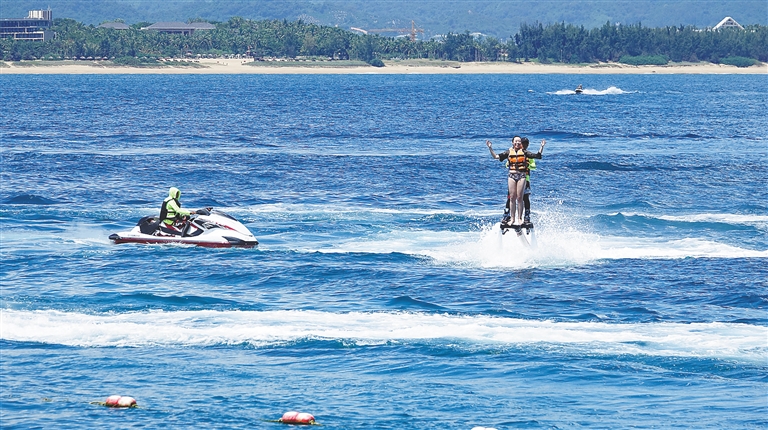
(524, 232)
(206, 227)
(579, 89)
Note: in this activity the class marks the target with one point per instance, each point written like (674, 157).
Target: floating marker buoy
(126, 402)
(294, 417)
(120, 402)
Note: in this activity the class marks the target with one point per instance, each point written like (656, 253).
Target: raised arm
(490, 148)
(537, 154)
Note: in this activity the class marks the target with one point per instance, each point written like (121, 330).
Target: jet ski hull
(230, 243)
(210, 229)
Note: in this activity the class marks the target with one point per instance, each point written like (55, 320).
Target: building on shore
(35, 27)
(728, 22)
(115, 25)
(180, 27)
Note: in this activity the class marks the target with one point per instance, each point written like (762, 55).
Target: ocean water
(382, 294)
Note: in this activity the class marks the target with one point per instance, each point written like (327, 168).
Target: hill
(496, 18)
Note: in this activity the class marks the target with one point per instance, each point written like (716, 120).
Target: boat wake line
(204, 328)
(592, 92)
(554, 247)
(460, 238)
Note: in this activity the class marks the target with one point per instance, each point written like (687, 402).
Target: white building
(36, 27)
(728, 22)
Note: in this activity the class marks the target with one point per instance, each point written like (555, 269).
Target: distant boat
(579, 90)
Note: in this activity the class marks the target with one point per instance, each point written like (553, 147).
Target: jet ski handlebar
(204, 211)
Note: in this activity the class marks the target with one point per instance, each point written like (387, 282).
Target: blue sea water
(382, 294)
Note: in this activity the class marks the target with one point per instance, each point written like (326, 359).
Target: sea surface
(382, 293)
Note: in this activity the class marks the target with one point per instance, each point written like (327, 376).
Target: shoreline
(240, 66)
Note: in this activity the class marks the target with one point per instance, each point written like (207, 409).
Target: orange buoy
(120, 402)
(294, 417)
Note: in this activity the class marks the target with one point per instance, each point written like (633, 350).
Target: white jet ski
(205, 227)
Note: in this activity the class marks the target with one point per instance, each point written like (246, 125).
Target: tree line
(495, 18)
(553, 43)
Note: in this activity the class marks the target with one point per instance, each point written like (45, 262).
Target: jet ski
(206, 227)
(579, 89)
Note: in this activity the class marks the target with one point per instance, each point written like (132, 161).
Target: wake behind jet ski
(206, 227)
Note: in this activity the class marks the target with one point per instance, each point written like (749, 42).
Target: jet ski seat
(148, 224)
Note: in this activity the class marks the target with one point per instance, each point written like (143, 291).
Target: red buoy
(294, 417)
(120, 402)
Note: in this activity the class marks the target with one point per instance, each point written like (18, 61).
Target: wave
(571, 135)
(611, 167)
(564, 135)
(747, 219)
(563, 247)
(563, 241)
(622, 167)
(411, 304)
(29, 199)
(368, 213)
(605, 134)
(634, 204)
(445, 237)
(204, 328)
(357, 211)
(711, 221)
(256, 141)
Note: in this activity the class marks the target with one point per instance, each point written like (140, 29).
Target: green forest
(498, 18)
(552, 43)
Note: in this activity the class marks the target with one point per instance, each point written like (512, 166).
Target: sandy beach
(242, 66)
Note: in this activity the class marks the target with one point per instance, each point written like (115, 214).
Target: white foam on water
(593, 92)
(268, 328)
(723, 218)
(563, 240)
(555, 247)
(644, 248)
(735, 219)
(69, 237)
(490, 248)
(412, 242)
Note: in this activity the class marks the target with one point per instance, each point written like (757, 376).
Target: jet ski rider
(171, 214)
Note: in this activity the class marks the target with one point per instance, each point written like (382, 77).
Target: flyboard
(523, 231)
